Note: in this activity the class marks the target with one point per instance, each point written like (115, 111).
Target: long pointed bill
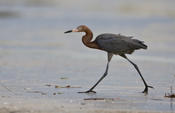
(68, 31)
(73, 30)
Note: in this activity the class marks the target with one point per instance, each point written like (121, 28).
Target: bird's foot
(88, 91)
(146, 89)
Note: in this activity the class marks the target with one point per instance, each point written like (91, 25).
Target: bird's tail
(141, 44)
(144, 46)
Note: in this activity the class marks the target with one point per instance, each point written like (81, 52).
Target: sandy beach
(53, 106)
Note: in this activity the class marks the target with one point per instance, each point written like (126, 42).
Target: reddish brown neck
(87, 39)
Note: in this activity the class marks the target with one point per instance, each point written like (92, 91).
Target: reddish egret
(113, 44)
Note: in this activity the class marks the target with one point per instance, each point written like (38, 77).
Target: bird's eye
(79, 28)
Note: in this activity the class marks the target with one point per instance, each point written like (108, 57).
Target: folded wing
(118, 44)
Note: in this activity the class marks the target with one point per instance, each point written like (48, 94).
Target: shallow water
(35, 52)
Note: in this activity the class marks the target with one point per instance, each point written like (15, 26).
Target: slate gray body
(119, 44)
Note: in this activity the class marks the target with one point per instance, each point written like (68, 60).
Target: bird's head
(81, 28)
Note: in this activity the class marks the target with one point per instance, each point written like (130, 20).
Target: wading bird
(113, 44)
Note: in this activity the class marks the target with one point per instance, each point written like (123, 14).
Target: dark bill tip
(68, 31)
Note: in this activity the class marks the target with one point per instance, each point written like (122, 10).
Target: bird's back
(118, 44)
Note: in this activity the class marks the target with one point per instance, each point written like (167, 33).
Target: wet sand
(113, 94)
(19, 105)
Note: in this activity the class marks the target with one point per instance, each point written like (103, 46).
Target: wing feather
(118, 44)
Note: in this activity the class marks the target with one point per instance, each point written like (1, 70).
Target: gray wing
(118, 44)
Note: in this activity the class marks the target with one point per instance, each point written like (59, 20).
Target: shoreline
(41, 105)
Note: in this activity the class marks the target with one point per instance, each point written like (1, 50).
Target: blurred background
(39, 24)
(34, 49)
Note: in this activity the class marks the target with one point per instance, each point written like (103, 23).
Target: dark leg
(136, 67)
(104, 75)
